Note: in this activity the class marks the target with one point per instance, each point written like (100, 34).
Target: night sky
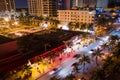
(21, 3)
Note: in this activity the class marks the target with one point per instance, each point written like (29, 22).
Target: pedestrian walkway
(40, 68)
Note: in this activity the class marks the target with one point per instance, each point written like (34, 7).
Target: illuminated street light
(6, 19)
(65, 27)
(16, 23)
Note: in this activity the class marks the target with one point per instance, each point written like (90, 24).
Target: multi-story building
(7, 5)
(60, 5)
(43, 7)
(78, 3)
(83, 16)
(83, 3)
(64, 4)
(67, 4)
(102, 3)
(114, 3)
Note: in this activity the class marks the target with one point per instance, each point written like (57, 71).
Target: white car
(54, 70)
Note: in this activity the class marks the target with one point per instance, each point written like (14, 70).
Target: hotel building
(46, 8)
(102, 3)
(83, 3)
(7, 5)
(82, 16)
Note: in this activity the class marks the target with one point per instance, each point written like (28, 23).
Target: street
(65, 66)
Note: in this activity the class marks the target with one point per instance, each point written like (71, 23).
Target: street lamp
(15, 23)
(46, 46)
(6, 19)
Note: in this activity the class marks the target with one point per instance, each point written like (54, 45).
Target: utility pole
(46, 46)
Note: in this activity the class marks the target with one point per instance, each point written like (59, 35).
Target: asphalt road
(65, 67)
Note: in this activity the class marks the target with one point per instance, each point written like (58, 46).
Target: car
(77, 56)
(32, 28)
(74, 64)
(92, 50)
(54, 70)
(18, 34)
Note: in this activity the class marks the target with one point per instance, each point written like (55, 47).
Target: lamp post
(46, 46)
(16, 23)
(7, 21)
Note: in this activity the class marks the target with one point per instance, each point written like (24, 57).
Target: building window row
(74, 13)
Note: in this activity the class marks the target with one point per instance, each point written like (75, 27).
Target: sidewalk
(57, 63)
(39, 69)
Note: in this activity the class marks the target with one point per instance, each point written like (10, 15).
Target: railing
(46, 53)
(16, 57)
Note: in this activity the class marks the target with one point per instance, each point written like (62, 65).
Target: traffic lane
(115, 33)
(65, 69)
(67, 64)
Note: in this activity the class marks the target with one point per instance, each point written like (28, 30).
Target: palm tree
(70, 77)
(90, 26)
(54, 23)
(105, 45)
(75, 67)
(80, 25)
(112, 41)
(27, 70)
(97, 74)
(116, 50)
(71, 25)
(108, 61)
(39, 59)
(83, 26)
(24, 20)
(87, 26)
(51, 55)
(39, 18)
(114, 38)
(110, 69)
(97, 53)
(101, 26)
(77, 25)
(85, 59)
(36, 20)
(102, 21)
(27, 67)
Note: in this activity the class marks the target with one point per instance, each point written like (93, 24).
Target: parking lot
(19, 32)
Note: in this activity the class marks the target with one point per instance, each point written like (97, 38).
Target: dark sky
(21, 3)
